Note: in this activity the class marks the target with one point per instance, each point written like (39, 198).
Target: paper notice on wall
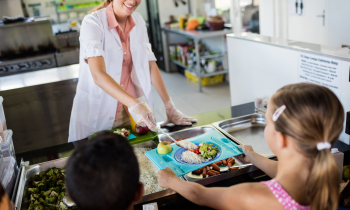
(320, 70)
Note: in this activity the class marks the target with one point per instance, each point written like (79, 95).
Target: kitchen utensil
(167, 135)
(240, 166)
(171, 138)
(68, 201)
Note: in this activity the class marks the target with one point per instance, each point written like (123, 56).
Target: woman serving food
(117, 68)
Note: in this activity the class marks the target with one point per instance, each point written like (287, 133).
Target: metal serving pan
(248, 129)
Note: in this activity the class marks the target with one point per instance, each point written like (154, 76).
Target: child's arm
(215, 197)
(263, 163)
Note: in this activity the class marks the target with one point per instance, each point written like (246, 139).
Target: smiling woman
(117, 71)
(125, 7)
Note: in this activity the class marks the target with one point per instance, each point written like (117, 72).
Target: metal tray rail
(248, 129)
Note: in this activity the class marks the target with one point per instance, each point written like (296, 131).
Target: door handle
(323, 16)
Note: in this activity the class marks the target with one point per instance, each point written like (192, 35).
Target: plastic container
(205, 80)
(2, 120)
(7, 148)
(7, 173)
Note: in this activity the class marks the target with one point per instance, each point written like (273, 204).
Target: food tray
(139, 138)
(247, 130)
(227, 148)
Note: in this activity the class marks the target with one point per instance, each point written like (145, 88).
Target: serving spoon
(171, 138)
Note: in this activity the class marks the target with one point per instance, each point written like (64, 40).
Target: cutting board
(226, 146)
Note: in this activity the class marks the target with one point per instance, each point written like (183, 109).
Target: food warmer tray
(249, 130)
(29, 171)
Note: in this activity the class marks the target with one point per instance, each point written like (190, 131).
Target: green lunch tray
(139, 138)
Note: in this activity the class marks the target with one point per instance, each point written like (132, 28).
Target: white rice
(191, 157)
(187, 144)
(148, 171)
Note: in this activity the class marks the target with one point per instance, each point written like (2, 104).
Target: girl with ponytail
(303, 123)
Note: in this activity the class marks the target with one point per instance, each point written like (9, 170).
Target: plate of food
(204, 152)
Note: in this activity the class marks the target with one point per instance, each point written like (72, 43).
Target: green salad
(208, 151)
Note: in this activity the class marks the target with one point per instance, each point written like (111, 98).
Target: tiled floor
(187, 98)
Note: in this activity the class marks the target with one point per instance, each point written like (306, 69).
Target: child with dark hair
(104, 174)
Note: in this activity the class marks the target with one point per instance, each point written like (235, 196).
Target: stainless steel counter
(39, 77)
(336, 52)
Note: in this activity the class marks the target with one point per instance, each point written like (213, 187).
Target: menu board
(320, 70)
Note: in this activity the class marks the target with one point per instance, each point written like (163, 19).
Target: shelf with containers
(198, 68)
(73, 7)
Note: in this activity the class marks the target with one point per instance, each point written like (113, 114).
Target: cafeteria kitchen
(174, 104)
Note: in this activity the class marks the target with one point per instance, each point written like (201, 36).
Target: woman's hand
(247, 150)
(175, 116)
(165, 176)
(142, 113)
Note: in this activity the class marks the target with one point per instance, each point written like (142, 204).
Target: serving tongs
(68, 201)
(239, 166)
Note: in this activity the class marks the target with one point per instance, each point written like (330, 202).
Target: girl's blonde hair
(314, 114)
(103, 5)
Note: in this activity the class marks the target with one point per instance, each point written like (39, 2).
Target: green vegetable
(208, 150)
(38, 207)
(62, 206)
(33, 190)
(51, 199)
(47, 190)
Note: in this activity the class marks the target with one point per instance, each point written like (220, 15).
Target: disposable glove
(142, 113)
(175, 116)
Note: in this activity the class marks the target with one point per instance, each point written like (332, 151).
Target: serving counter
(169, 199)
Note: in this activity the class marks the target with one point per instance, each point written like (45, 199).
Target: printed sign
(320, 70)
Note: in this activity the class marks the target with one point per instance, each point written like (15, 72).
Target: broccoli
(56, 170)
(62, 206)
(38, 207)
(51, 199)
(60, 183)
(50, 172)
(50, 207)
(31, 207)
(42, 201)
(33, 190)
(41, 186)
(53, 194)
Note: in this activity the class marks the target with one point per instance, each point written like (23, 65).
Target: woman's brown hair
(103, 5)
(314, 114)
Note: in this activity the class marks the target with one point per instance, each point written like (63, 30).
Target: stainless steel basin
(247, 130)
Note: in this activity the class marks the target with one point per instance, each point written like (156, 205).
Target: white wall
(259, 70)
(10, 8)
(338, 29)
(167, 8)
(266, 18)
(142, 9)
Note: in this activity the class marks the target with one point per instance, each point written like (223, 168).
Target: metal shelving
(196, 36)
(225, 71)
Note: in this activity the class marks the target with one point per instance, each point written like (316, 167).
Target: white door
(307, 23)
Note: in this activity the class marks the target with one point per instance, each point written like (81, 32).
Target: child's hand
(165, 176)
(247, 150)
